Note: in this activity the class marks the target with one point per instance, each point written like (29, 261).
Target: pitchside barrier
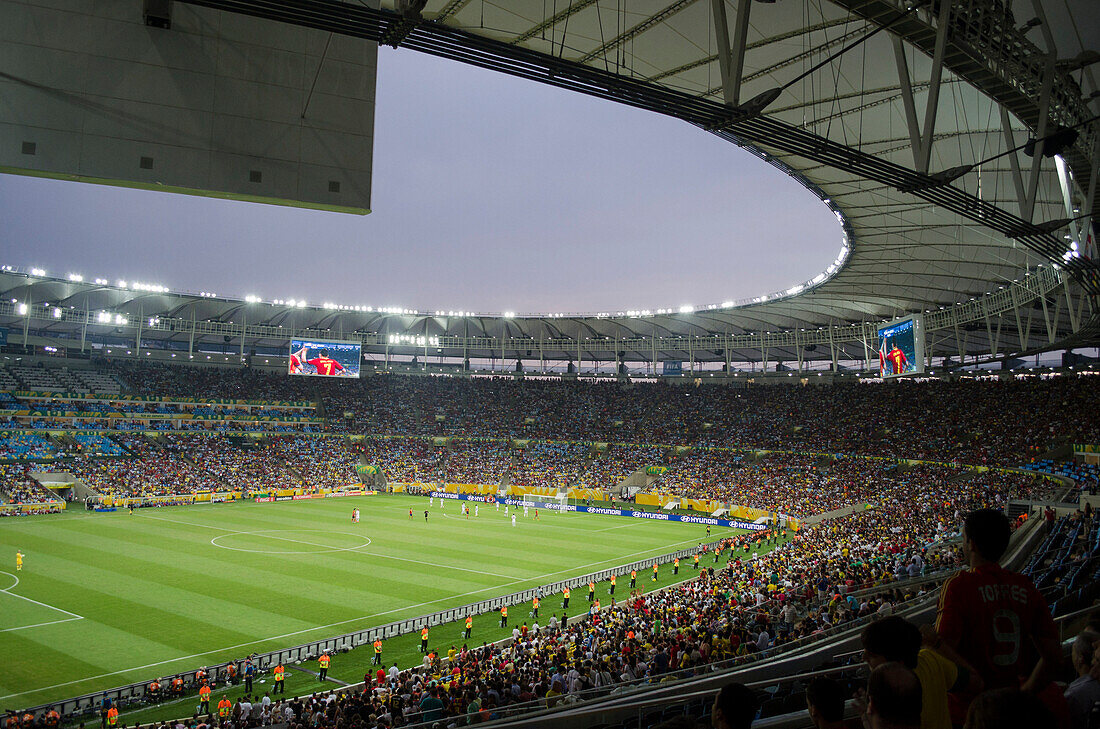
(124, 696)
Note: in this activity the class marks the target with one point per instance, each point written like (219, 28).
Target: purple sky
(490, 194)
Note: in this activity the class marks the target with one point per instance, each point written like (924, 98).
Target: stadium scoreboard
(901, 347)
(324, 358)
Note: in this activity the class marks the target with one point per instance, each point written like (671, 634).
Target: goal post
(556, 503)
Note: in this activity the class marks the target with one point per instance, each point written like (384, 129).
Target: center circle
(293, 539)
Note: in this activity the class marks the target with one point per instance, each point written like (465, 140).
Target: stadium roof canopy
(909, 119)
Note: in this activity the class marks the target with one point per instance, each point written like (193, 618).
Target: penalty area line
(8, 591)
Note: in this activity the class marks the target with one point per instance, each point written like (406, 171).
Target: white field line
(620, 526)
(8, 591)
(292, 634)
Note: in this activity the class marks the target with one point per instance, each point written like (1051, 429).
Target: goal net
(555, 503)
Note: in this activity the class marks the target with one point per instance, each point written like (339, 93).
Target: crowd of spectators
(971, 421)
(25, 446)
(319, 463)
(148, 470)
(237, 463)
(609, 467)
(18, 487)
(478, 462)
(555, 466)
(405, 460)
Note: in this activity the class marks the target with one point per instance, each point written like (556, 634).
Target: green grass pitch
(108, 599)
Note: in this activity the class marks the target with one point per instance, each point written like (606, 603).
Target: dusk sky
(490, 194)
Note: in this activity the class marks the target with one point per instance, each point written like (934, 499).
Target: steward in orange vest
(323, 661)
(378, 651)
(280, 679)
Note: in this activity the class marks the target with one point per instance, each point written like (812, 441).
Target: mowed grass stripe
(171, 587)
(279, 592)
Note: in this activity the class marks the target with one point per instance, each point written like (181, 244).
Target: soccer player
(431, 501)
(18, 560)
(296, 360)
(536, 514)
(525, 511)
(513, 519)
(897, 359)
(993, 619)
(411, 512)
(323, 662)
(425, 516)
(477, 509)
(324, 364)
(708, 530)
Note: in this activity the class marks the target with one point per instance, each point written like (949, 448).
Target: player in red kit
(994, 619)
(897, 359)
(324, 365)
(296, 359)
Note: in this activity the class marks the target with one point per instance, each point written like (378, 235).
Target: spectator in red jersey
(994, 619)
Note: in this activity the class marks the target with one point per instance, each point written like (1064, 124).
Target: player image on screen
(897, 359)
(324, 358)
(900, 350)
(296, 360)
(325, 365)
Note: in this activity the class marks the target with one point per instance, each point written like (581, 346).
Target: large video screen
(324, 359)
(901, 347)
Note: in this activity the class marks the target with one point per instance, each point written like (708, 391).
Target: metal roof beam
(637, 30)
(731, 53)
(552, 21)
